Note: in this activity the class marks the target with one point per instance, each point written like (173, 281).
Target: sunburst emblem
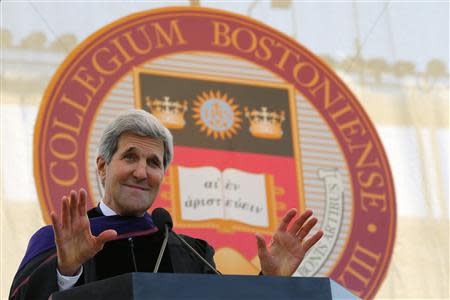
(217, 114)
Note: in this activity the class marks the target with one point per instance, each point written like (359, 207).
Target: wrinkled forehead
(128, 140)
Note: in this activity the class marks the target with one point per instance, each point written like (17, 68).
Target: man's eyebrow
(154, 156)
(129, 150)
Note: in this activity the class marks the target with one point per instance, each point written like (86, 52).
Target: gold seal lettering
(93, 84)
(359, 269)
(110, 65)
(323, 90)
(373, 179)
(264, 44)
(139, 49)
(68, 153)
(174, 32)
(65, 169)
(251, 37)
(373, 200)
(284, 57)
(64, 125)
(300, 69)
(221, 34)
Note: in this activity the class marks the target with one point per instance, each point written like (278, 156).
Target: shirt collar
(106, 210)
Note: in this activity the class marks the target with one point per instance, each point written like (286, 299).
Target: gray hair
(138, 122)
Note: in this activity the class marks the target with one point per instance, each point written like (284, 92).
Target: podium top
(205, 286)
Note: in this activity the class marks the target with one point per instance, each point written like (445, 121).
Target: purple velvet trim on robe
(44, 239)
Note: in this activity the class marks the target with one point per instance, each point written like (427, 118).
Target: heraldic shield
(237, 158)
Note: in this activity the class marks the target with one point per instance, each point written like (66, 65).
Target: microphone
(162, 219)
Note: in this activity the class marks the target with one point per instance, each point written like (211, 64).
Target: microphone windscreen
(161, 217)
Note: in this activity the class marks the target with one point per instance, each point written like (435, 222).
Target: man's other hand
(288, 245)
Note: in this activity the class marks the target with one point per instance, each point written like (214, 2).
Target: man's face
(133, 176)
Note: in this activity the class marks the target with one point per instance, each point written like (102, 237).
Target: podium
(204, 286)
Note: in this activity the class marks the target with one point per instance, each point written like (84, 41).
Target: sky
(397, 30)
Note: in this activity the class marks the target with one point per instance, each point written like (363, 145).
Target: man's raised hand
(288, 245)
(75, 243)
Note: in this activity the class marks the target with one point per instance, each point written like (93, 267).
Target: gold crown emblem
(265, 124)
(170, 113)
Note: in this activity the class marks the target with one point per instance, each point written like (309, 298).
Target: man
(118, 236)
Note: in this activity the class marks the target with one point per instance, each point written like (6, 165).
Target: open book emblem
(231, 200)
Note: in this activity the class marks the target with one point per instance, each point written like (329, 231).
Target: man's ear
(101, 168)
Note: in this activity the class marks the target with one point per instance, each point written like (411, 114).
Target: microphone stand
(162, 216)
(163, 248)
(133, 258)
(196, 253)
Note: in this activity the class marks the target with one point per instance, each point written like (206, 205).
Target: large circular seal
(250, 84)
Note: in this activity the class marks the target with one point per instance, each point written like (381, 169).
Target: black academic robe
(38, 279)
